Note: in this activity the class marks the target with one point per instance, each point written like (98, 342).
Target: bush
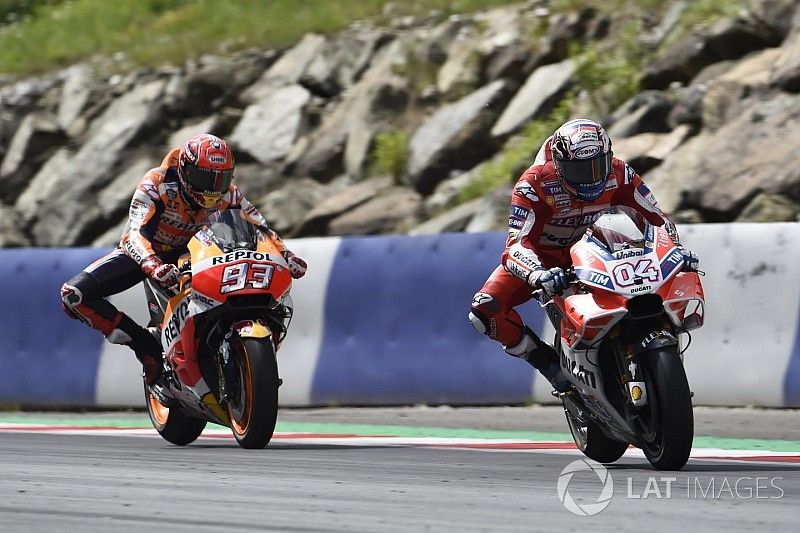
(390, 153)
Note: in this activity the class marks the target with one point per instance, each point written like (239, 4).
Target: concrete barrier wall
(382, 320)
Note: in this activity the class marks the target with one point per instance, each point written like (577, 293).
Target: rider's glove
(165, 274)
(551, 282)
(690, 260)
(297, 267)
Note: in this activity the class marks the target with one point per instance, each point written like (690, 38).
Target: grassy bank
(39, 35)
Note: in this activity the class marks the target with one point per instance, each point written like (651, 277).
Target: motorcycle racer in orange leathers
(169, 205)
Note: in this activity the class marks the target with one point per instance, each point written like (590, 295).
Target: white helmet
(582, 157)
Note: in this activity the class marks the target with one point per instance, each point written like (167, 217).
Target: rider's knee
(482, 312)
(74, 292)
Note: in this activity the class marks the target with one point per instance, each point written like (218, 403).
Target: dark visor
(585, 171)
(212, 181)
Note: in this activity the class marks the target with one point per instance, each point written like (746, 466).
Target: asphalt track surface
(317, 476)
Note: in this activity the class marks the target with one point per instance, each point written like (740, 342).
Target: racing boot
(143, 343)
(542, 357)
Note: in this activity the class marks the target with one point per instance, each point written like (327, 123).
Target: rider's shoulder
(622, 172)
(536, 181)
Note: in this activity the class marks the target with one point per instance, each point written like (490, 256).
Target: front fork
(630, 358)
(227, 368)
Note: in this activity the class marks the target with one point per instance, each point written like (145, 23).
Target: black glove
(551, 282)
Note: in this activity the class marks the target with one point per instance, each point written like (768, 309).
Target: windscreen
(620, 230)
(231, 231)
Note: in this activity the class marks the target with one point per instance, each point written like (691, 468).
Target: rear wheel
(591, 440)
(254, 409)
(667, 425)
(171, 423)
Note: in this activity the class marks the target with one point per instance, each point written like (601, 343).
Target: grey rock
(269, 128)
(323, 156)
(727, 39)
(111, 237)
(447, 192)
(564, 28)
(36, 139)
(43, 186)
(455, 137)
(507, 62)
(288, 70)
(11, 228)
(342, 62)
(114, 200)
(767, 207)
(285, 208)
(536, 97)
(786, 73)
(317, 221)
(256, 180)
(455, 219)
(190, 129)
(393, 211)
(747, 76)
(492, 212)
(66, 219)
(74, 95)
(776, 15)
(648, 111)
(719, 172)
(648, 150)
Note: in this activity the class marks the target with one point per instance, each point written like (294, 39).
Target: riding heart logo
(585, 509)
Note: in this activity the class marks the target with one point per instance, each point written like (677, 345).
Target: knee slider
(480, 320)
(71, 297)
(76, 291)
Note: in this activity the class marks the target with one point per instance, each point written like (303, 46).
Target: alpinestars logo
(526, 191)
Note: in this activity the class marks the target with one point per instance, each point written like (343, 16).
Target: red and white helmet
(205, 169)
(582, 157)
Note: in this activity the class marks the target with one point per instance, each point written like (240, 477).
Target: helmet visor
(210, 181)
(584, 171)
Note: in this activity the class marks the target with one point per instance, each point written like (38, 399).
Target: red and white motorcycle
(617, 330)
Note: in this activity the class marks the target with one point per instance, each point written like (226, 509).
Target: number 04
(236, 277)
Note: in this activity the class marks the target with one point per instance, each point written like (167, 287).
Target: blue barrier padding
(47, 358)
(396, 327)
(791, 382)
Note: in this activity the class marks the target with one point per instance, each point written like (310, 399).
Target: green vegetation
(610, 72)
(702, 13)
(44, 34)
(518, 153)
(390, 153)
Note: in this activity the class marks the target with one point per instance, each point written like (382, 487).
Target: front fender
(254, 329)
(658, 339)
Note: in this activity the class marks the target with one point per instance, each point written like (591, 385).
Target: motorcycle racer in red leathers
(574, 180)
(169, 205)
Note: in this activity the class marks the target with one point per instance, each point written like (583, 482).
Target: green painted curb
(136, 421)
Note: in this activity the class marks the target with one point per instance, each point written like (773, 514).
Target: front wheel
(667, 427)
(254, 409)
(591, 440)
(172, 424)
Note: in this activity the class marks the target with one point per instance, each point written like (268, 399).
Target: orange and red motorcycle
(618, 332)
(220, 335)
